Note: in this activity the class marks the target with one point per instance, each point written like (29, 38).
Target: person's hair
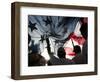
(61, 52)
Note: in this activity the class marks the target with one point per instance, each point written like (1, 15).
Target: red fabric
(69, 51)
(79, 39)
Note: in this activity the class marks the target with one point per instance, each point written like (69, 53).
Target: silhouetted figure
(82, 59)
(84, 32)
(36, 60)
(61, 52)
(61, 60)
